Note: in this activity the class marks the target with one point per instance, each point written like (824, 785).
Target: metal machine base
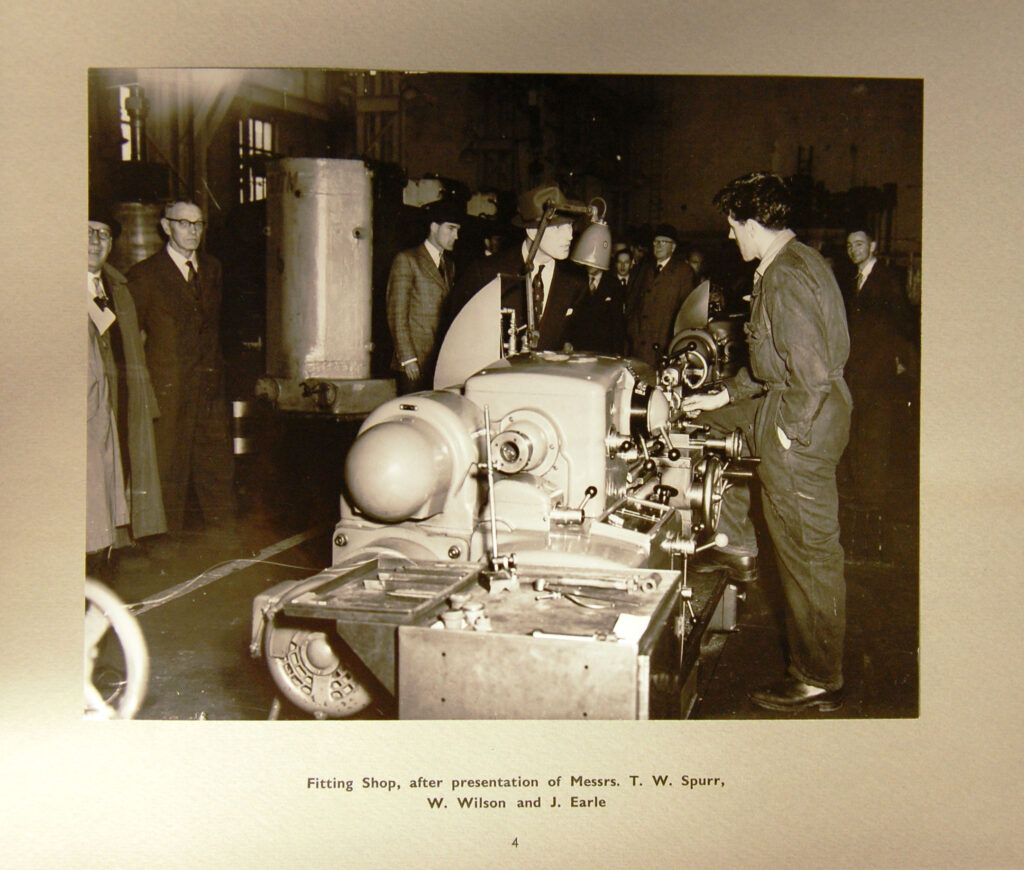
(441, 646)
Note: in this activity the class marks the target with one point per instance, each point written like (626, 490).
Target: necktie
(537, 297)
(860, 280)
(445, 268)
(101, 295)
(193, 280)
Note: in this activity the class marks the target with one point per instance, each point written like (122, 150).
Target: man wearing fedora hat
(418, 287)
(122, 376)
(554, 287)
(663, 281)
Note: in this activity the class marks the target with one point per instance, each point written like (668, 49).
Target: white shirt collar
(180, 261)
(866, 267)
(434, 251)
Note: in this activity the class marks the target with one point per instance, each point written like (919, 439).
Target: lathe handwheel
(694, 370)
(105, 611)
(713, 485)
(695, 353)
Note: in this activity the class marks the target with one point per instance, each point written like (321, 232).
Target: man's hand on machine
(697, 402)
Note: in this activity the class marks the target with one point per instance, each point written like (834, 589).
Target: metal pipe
(490, 486)
(136, 105)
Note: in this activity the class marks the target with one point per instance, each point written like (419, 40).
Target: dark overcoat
(652, 308)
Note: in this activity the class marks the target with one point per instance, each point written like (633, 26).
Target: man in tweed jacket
(418, 287)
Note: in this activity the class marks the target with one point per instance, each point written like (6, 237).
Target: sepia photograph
(514, 435)
(340, 395)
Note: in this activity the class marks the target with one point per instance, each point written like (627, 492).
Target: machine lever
(721, 539)
(588, 494)
(687, 546)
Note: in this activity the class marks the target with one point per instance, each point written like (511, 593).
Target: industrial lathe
(517, 547)
(516, 542)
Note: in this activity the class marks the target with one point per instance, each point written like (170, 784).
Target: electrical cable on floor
(230, 566)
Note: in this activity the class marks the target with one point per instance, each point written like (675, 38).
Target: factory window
(123, 93)
(255, 147)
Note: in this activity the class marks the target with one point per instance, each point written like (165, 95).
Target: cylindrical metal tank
(319, 269)
(140, 233)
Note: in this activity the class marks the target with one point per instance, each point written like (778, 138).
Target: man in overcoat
(114, 328)
(882, 372)
(662, 282)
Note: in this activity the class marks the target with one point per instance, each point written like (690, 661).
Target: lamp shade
(594, 247)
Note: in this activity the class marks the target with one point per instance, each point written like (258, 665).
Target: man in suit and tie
(663, 281)
(117, 344)
(554, 287)
(419, 285)
(882, 373)
(875, 287)
(178, 297)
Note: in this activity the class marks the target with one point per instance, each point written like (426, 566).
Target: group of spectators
(157, 417)
(826, 367)
(816, 353)
(628, 309)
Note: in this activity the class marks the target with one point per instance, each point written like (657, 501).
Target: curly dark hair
(761, 196)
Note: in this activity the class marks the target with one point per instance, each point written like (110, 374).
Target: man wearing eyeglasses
(178, 294)
(662, 283)
(123, 462)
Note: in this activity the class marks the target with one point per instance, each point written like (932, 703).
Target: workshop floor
(881, 660)
(198, 630)
(198, 608)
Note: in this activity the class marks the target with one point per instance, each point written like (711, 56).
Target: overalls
(798, 343)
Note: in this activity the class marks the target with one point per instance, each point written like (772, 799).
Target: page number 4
(515, 842)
